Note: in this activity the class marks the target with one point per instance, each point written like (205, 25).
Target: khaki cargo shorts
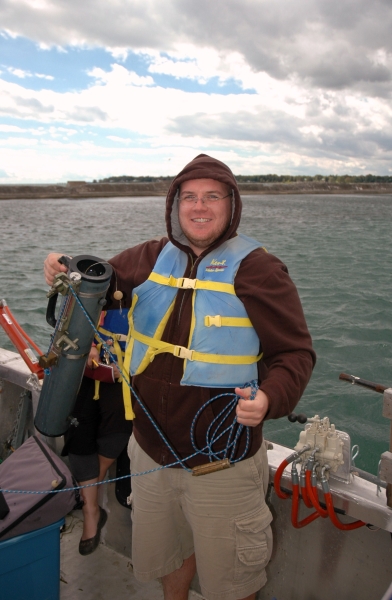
(222, 517)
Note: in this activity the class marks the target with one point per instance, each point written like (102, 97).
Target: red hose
(277, 478)
(310, 498)
(334, 518)
(295, 508)
(306, 497)
(312, 492)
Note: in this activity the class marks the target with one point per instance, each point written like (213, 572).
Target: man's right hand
(52, 267)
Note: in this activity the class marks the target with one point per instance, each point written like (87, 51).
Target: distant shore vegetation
(269, 178)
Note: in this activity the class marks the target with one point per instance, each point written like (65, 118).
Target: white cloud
(189, 62)
(41, 76)
(119, 53)
(22, 74)
(18, 73)
(119, 76)
(11, 129)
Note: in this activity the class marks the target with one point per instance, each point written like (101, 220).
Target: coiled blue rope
(233, 430)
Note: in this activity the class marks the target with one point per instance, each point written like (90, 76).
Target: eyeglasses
(206, 199)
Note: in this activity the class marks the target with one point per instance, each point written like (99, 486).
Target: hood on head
(201, 167)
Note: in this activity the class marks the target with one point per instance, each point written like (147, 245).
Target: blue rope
(212, 436)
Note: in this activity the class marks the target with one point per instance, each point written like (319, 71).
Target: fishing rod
(376, 387)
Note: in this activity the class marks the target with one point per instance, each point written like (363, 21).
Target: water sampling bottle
(84, 289)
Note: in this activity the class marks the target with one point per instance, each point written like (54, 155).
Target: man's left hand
(251, 412)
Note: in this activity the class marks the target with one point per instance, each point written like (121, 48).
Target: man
(206, 303)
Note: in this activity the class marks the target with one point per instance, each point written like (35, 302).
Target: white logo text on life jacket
(216, 266)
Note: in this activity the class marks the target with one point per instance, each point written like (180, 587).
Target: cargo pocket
(253, 544)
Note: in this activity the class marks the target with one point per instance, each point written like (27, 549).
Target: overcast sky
(93, 88)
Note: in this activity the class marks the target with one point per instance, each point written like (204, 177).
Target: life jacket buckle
(210, 321)
(119, 337)
(182, 352)
(185, 283)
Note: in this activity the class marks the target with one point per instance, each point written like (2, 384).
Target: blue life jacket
(223, 347)
(115, 328)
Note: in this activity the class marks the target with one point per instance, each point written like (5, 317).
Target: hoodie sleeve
(273, 305)
(131, 268)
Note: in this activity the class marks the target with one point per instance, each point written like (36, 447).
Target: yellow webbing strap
(116, 337)
(182, 352)
(184, 283)
(129, 414)
(97, 382)
(218, 321)
(119, 337)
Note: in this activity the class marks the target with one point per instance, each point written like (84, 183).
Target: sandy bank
(80, 190)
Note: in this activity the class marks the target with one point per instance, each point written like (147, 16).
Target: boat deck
(103, 574)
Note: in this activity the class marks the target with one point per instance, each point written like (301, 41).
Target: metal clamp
(64, 339)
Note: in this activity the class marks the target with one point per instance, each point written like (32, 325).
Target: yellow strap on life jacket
(97, 382)
(184, 283)
(119, 337)
(218, 321)
(129, 414)
(182, 352)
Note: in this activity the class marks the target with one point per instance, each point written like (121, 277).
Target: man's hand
(251, 412)
(52, 267)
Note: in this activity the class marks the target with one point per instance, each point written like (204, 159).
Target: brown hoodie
(271, 300)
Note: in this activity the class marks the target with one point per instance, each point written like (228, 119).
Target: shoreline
(83, 190)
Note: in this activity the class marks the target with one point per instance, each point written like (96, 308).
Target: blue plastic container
(30, 565)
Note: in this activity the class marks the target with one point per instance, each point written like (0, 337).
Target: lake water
(337, 249)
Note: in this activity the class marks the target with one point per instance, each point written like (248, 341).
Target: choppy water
(337, 249)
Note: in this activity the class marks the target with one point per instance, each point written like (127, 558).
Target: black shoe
(88, 546)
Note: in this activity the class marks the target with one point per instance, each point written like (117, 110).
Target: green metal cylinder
(90, 278)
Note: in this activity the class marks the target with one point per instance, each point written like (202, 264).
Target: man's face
(203, 223)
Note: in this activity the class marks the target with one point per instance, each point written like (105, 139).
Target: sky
(91, 89)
